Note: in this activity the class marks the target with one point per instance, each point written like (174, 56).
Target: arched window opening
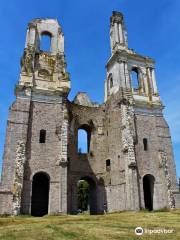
(84, 138)
(45, 42)
(111, 84)
(87, 195)
(135, 78)
(42, 136)
(145, 144)
(108, 165)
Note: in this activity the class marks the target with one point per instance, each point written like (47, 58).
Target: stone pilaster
(171, 200)
(18, 177)
(126, 75)
(154, 82)
(63, 164)
(149, 84)
(127, 114)
(116, 32)
(122, 74)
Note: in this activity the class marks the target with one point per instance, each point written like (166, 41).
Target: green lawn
(85, 227)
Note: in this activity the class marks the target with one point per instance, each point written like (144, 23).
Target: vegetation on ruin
(95, 227)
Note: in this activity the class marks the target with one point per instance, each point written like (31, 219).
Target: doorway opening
(87, 195)
(148, 187)
(40, 194)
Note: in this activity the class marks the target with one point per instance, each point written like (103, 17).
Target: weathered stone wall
(92, 164)
(150, 124)
(10, 195)
(105, 123)
(45, 157)
(116, 130)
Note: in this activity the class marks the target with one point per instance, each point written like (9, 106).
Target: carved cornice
(116, 17)
(128, 54)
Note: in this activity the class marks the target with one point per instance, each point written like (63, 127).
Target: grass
(95, 227)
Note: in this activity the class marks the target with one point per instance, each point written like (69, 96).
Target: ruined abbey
(129, 161)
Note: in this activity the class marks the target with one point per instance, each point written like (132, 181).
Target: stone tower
(39, 110)
(146, 140)
(129, 161)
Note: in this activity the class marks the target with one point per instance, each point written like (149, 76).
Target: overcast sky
(153, 30)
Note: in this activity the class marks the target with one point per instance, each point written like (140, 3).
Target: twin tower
(129, 161)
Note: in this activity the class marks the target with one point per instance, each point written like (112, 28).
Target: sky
(153, 30)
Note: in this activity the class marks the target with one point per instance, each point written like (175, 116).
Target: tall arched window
(45, 44)
(42, 136)
(84, 138)
(135, 78)
(82, 141)
(110, 78)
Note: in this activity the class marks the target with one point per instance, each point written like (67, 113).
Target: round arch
(46, 32)
(46, 41)
(148, 189)
(87, 129)
(92, 193)
(40, 194)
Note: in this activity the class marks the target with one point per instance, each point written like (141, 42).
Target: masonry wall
(92, 164)
(106, 143)
(17, 126)
(116, 130)
(152, 126)
(43, 157)
(26, 119)
(115, 183)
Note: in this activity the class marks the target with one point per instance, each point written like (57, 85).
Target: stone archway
(92, 194)
(40, 194)
(148, 187)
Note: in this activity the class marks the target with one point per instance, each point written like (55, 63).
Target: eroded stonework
(171, 199)
(129, 161)
(18, 177)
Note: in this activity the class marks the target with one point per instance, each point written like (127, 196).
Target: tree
(83, 195)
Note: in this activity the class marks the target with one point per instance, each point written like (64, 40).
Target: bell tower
(38, 126)
(44, 71)
(126, 69)
(118, 34)
(131, 90)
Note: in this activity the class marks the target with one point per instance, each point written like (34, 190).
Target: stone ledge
(5, 191)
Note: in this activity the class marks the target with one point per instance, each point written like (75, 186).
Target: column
(154, 81)
(127, 77)
(122, 75)
(116, 32)
(150, 80)
(27, 39)
(32, 34)
(121, 33)
(142, 88)
(144, 79)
